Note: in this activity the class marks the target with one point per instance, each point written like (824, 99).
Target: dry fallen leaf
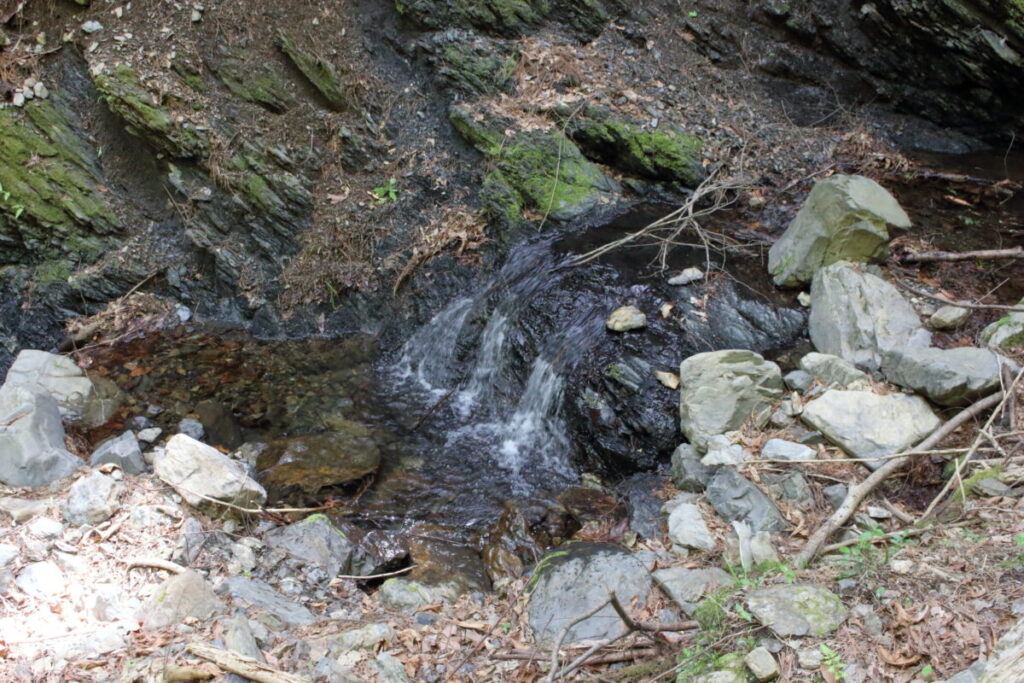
(668, 379)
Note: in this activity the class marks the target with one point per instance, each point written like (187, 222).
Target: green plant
(867, 555)
(832, 661)
(16, 209)
(387, 192)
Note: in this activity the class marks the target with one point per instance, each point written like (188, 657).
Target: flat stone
(197, 471)
(845, 217)
(722, 451)
(949, 377)
(21, 509)
(406, 595)
(735, 498)
(832, 369)
(797, 610)
(949, 317)
(262, 596)
(92, 499)
(8, 554)
(867, 425)
(363, 638)
(315, 541)
(719, 390)
(122, 451)
(686, 528)
(41, 580)
(861, 318)
(182, 596)
(780, 449)
(575, 579)
(687, 586)
(626, 318)
(761, 664)
(32, 439)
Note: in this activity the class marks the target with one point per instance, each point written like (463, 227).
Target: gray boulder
(735, 498)
(315, 541)
(1005, 333)
(261, 596)
(574, 580)
(406, 595)
(186, 595)
(949, 377)
(860, 317)
(844, 219)
(79, 398)
(122, 451)
(799, 610)
(32, 439)
(92, 499)
(831, 369)
(687, 586)
(688, 473)
(868, 425)
(198, 472)
(718, 390)
(687, 529)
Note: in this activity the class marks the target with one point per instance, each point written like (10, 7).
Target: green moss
(665, 153)
(189, 73)
(475, 68)
(265, 188)
(504, 17)
(134, 103)
(543, 166)
(252, 79)
(320, 72)
(502, 204)
(51, 205)
(544, 563)
(52, 272)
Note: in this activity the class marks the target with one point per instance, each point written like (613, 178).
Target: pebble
(41, 91)
(686, 277)
(193, 428)
(809, 658)
(150, 434)
(45, 528)
(762, 664)
(626, 318)
(18, 100)
(92, 27)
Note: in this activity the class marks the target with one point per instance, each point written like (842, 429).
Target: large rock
(186, 595)
(861, 317)
(314, 461)
(1005, 333)
(736, 498)
(718, 390)
(79, 398)
(843, 219)
(867, 425)
(948, 377)
(316, 541)
(32, 449)
(199, 472)
(92, 499)
(686, 528)
(261, 596)
(122, 451)
(573, 580)
(800, 610)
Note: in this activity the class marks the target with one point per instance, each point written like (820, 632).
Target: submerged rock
(317, 460)
(867, 425)
(32, 439)
(844, 219)
(861, 318)
(801, 610)
(948, 377)
(575, 579)
(199, 472)
(719, 390)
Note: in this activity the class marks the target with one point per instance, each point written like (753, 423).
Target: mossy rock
(1005, 333)
(472, 65)
(503, 17)
(190, 73)
(264, 187)
(51, 206)
(252, 79)
(665, 153)
(146, 117)
(320, 72)
(544, 167)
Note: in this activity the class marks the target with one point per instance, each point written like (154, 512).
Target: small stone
(798, 380)
(123, 451)
(688, 473)
(44, 528)
(30, 82)
(92, 499)
(686, 277)
(182, 596)
(899, 566)
(18, 100)
(41, 579)
(20, 509)
(804, 299)
(8, 554)
(949, 317)
(197, 16)
(686, 528)
(835, 494)
(780, 449)
(149, 435)
(762, 664)
(797, 610)
(92, 27)
(28, 93)
(193, 428)
(667, 379)
(809, 658)
(626, 318)
(989, 487)
(876, 512)
(721, 451)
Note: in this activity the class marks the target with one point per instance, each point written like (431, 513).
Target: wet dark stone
(318, 460)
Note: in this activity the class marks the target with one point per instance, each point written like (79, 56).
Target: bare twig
(565, 632)
(958, 304)
(248, 667)
(156, 563)
(858, 492)
(397, 572)
(933, 256)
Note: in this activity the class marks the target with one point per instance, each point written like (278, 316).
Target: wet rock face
(318, 460)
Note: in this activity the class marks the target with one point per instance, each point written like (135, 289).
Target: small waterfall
(490, 361)
(428, 354)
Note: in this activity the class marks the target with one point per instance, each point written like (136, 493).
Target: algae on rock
(252, 79)
(145, 116)
(504, 17)
(543, 166)
(320, 72)
(51, 205)
(472, 65)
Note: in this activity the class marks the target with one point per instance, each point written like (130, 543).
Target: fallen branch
(156, 563)
(892, 534)
(958, 304)
(610, 658)
(565, 632)
(650, 626)
(934, 256)
(243, 666)
(369, 577)
(858, 492)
